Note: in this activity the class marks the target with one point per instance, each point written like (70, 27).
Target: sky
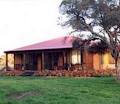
(24, 22)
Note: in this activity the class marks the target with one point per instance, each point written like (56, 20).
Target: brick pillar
(43, 63)
(6, 61)
(24, 61)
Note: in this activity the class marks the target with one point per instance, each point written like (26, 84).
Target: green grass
(59, 90)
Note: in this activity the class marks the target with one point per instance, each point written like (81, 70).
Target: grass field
(36, 90)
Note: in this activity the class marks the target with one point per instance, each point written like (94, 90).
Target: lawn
(44, 90)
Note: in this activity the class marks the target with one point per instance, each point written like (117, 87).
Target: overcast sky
(23, 22)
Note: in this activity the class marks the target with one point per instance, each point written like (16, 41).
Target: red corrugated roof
(58, 43)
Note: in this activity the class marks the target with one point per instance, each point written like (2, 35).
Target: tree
(101, 18)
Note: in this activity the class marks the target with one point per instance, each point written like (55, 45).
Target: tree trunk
(81, 54)
(117, 69)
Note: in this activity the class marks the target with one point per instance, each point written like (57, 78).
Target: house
(57, 54)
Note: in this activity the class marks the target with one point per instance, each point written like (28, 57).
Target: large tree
(101, 18)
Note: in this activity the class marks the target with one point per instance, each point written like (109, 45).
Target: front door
(31, 62)
(51, 60)
(48, 62)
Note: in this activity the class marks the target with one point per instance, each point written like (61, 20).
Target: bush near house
(78, 73)
(67, 73)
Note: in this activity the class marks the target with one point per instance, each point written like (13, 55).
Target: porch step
(27, 73)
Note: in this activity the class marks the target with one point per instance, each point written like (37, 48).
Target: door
(48, 60)
(32, 62)
(51, 60)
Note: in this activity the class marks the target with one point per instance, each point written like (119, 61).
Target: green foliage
(103, 90)
(103, 13)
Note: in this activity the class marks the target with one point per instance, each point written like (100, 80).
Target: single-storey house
(57, 54)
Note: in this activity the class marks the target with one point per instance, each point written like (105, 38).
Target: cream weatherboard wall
(76, 57)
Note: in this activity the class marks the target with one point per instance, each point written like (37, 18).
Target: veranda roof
(58, 43)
